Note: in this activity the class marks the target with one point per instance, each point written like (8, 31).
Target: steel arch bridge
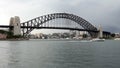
(36, 23)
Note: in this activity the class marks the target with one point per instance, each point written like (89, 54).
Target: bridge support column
(15, 22)
(99, 34)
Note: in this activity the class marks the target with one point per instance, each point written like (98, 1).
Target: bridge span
(45, 22)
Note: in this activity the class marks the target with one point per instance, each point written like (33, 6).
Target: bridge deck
(65, 28)
(5, 26)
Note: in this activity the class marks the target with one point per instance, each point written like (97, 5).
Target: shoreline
(25, 39)
(15, 39)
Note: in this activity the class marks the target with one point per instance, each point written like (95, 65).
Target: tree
(113, 35)
(85, 35)
(9, 34)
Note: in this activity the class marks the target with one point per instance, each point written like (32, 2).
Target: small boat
(97, 40)
(117, 39)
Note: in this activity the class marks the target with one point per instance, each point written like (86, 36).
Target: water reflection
(4, 54)
(59, 54)
(14, 54)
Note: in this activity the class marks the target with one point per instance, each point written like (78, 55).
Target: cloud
(104, 12)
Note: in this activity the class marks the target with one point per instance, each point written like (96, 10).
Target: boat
(97, 40)
(117, 39)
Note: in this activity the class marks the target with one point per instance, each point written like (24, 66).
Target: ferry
(117, 39)
(97, 40)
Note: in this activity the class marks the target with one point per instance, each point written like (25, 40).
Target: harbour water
(59, 54)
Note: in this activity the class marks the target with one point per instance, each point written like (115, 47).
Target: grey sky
(104, 12)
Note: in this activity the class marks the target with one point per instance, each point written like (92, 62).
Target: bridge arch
(36, 22)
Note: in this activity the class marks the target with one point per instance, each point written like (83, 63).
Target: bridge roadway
(65, 28)
(5, 26)
(36, 27)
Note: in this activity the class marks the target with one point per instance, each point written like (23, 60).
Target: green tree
(9, 34)
(85, 35)
(113, 35)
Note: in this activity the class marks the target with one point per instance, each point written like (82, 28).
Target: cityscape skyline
(103, 12)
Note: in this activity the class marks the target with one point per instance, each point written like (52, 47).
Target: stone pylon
(15, 22)
(100, 32)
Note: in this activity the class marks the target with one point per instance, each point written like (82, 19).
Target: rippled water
(59, 54)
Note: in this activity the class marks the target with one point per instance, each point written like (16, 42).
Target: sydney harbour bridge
(64, 21)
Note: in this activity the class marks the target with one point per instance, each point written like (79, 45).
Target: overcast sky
(104, 12)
